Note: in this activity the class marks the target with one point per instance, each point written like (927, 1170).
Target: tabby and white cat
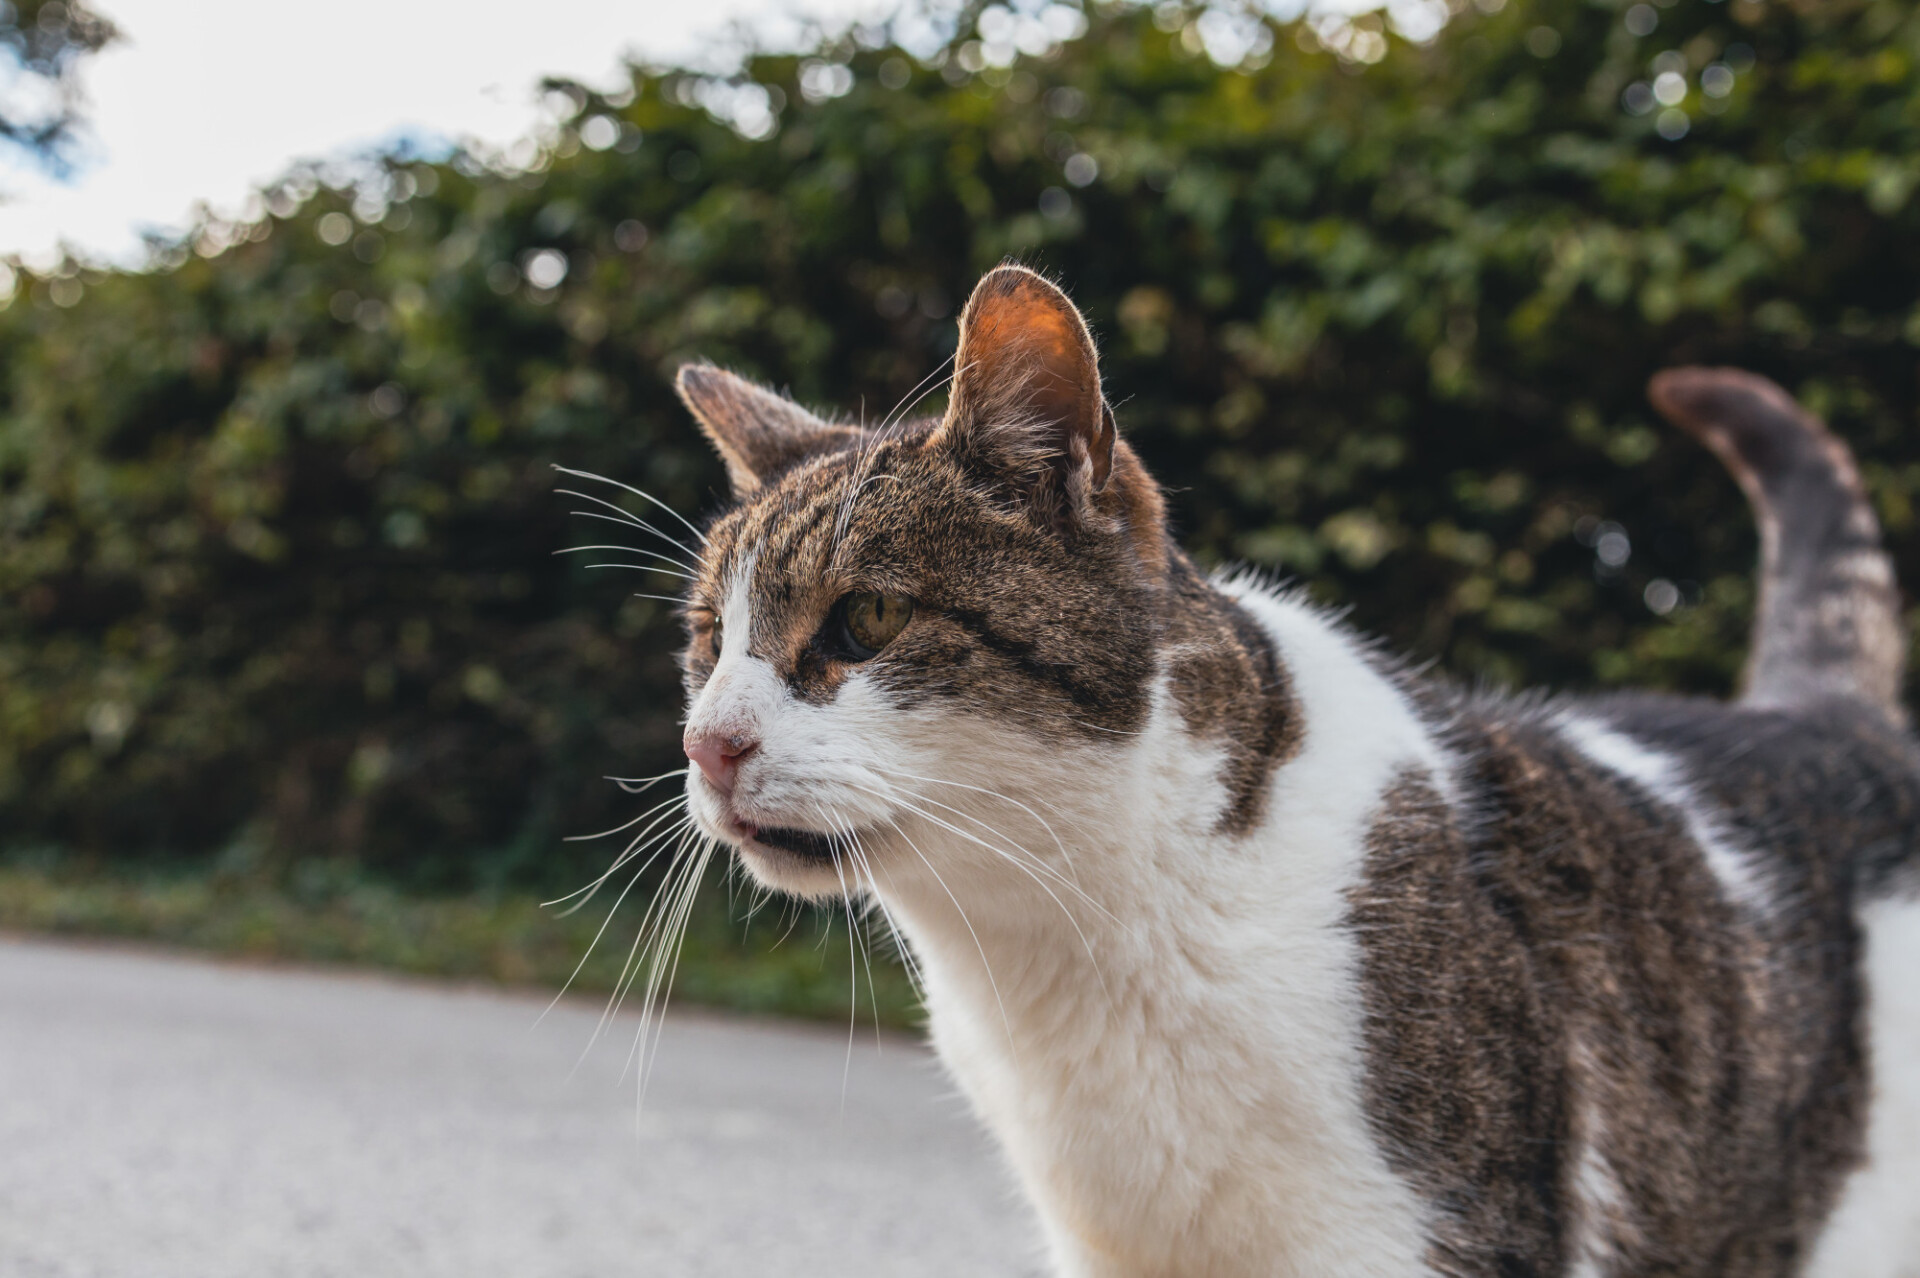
(1263, 956)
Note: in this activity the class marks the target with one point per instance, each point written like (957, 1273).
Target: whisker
(905, 951)
(1012, 860)
(654, 919)
(627, 968)
(641, 842)
(640, 785)
(631, 550)
(657, 1012)
(644, 496)
(1023, 868)
(757, 902)
(792, 910)
(870, 444)
(1028, 866)
(627, 517)
(859, 856)
(666, 572)
(853, 975)
(992, 984)
(589, 838)
(901, 409)
(581, 965)
(635, 525)
(992, 794)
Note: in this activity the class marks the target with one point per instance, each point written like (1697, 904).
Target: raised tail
(1828, 624)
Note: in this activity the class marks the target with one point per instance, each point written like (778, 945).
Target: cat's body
(1262, 956)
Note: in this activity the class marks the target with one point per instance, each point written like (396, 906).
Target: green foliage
(276, 531)
(44, 39)
(775, 963)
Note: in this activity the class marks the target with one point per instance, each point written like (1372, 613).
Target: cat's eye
(700, 619)
(873, 620)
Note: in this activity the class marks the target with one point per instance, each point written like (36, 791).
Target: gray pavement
(165, 1116)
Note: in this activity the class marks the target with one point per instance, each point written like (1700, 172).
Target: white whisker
(931, 383)
(630, 549)
(644, 496)
(866, 948)
(639, 949)
(623, 515)
(656, 1012)
(853, 975)
(578, 967)
(1028, 866)
(641, 842)
(1025, 869)
(640, 785)
(992, 984)
(992, 794)
(627, 825)
(667, 572)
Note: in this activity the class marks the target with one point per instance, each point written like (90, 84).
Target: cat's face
(892, 613)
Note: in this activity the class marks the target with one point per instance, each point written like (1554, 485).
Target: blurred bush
(42, 42)
(276, 528)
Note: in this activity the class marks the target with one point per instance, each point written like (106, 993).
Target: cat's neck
(1138, 963)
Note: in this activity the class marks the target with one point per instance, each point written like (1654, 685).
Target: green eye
(874, 621)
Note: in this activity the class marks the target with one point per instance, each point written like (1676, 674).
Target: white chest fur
(1177, 1079)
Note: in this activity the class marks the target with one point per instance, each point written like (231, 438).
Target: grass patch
(793, 964)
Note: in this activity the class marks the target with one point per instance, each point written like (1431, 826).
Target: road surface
(163, 1116)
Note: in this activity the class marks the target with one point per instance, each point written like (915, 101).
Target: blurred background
(288, 665)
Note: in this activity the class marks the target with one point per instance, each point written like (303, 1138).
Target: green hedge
(276, 528)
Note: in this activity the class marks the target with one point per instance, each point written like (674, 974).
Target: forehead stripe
(793, 538)
(1020, 654)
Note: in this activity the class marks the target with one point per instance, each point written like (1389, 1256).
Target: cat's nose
(719, 755)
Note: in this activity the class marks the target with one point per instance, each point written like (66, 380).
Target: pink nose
(718, 757)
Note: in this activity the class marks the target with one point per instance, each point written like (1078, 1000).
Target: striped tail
(1828, 624)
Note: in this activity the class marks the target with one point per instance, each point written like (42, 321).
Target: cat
(1260, 954)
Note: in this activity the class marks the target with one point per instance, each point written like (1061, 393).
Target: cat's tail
(1828, 624)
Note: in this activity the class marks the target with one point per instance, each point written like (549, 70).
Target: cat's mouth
(805, 844)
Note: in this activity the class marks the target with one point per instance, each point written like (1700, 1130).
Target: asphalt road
(165, 1116)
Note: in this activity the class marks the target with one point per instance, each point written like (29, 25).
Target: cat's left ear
(758, 433)
(1026, 403)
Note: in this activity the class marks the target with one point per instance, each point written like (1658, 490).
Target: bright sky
(205, 100)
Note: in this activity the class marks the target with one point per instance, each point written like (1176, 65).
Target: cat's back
(1641, 989)
(1822, 803)
(1825, 797)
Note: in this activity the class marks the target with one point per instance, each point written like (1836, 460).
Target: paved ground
(163, 1116)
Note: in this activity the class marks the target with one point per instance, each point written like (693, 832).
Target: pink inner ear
(1025, 353)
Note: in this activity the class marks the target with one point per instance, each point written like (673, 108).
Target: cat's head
(895, 616)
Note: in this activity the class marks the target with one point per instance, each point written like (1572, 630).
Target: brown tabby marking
(1567, 969)
(1008, 617)
(1231, 690)
(1063, 638)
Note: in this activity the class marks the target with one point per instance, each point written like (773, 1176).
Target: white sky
(205, 100)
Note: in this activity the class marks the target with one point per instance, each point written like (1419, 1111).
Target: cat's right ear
(1027, 407)
(759, 434)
